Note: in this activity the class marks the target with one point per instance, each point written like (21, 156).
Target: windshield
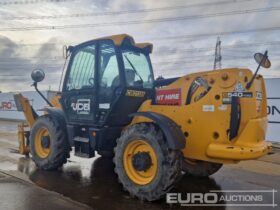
(138, 72)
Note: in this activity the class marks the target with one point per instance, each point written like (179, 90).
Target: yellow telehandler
(153, 129)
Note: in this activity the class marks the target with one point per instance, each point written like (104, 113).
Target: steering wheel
(91, 81)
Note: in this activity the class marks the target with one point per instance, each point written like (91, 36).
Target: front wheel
(48, 144)
(145, 165)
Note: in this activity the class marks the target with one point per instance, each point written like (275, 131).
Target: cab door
(110, 82)
(126, 81)
(79, 90)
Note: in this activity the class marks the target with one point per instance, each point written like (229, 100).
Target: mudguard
(56, 114)
(173, 133)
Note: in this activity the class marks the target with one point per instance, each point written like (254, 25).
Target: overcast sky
(184, 34)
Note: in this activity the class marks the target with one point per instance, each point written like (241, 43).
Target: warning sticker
(239, 88)
(169, 97)
(258, 95)
(208, 108)
(223, 107)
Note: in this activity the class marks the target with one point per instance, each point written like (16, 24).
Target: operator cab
(106, 80)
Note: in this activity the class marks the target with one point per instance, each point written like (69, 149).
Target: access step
(82, 147)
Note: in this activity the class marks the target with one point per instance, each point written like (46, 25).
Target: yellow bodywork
(23, 148)
(206, 131)
(55, 101)
(26, 108)
(120, 38)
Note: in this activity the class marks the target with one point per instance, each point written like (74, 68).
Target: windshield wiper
(134, 69)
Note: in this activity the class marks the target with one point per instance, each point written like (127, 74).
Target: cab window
(81, 75)
(109, 71)
(138, 72)
(109, 78)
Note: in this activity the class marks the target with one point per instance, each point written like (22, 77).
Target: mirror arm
(249, 84)
(38, 91)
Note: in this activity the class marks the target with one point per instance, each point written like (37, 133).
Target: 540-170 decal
(228, 95)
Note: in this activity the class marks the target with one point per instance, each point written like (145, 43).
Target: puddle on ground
(93, 182)
(97, 185)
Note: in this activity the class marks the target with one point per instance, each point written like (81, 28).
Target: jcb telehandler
(111, 104)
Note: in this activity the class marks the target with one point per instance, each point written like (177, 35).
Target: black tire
(59, 146)
(200, 168)
(168, 168)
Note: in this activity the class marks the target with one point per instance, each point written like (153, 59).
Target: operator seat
(130, 76)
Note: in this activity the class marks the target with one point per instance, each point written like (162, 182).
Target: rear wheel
(145, 165)
(200, 168)
(48, 144)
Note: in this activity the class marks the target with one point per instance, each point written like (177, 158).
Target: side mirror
(37, 75)
(262, 59)
(66, 51)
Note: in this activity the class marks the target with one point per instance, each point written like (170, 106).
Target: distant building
(273, 109)
(8, 109)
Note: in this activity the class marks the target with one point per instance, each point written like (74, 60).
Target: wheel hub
(141, 161)
(45, 142)
(42, 142)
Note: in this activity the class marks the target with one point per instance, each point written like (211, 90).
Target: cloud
(171, 57)
(16, 67)
(9, 59)
(7, 46)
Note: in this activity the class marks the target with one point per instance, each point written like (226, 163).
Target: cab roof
(119, 39)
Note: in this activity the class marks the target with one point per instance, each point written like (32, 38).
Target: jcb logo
(82, 106)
